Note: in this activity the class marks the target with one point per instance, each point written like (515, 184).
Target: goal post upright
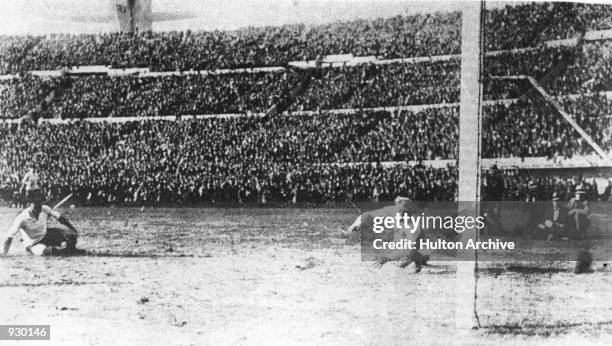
(468, 167)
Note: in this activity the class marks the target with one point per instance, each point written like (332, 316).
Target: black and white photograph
(305, 172)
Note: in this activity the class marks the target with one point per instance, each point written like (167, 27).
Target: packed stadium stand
(300, 135)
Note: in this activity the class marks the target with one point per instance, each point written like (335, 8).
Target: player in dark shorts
(39, 239)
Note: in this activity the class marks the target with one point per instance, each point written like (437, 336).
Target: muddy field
(277, 276)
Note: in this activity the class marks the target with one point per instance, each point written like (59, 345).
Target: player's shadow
(134, 255)
(539, 329)
(61, 283)
(523, 270)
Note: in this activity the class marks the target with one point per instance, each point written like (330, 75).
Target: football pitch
(277, 276)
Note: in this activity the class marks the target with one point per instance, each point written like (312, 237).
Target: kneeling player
(363, 224)
(40, 240)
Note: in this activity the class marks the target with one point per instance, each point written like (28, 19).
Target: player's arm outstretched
(8, 239)
(60, 218)
(7, 245)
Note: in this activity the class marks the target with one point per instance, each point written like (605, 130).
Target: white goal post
(470, 127)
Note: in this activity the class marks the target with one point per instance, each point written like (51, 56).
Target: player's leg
(39, 249)
(419, 260)
(57, 235)
(577, 226)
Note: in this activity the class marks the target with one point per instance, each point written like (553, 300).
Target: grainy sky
(86, 16)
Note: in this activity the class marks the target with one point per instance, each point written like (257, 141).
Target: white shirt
(32, 230)
(30, 180)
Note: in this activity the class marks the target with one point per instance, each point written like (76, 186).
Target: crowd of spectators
(532, 127)
(517, 26)
(591, 71)
(298, 158)
(593, 113)
(515, 185)
(396, 37)
(13, 53)
(369, 85)
(529, 24)
(290, 159)
(581, 70)
(20, 96)
(534, 62)
(428, 134)
(198, 161)
(524, 128)
(561, 70)
(543, 63)
(104, 96)
(373, 85)
(173, 95)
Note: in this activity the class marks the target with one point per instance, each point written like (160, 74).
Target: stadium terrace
(403, 110)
